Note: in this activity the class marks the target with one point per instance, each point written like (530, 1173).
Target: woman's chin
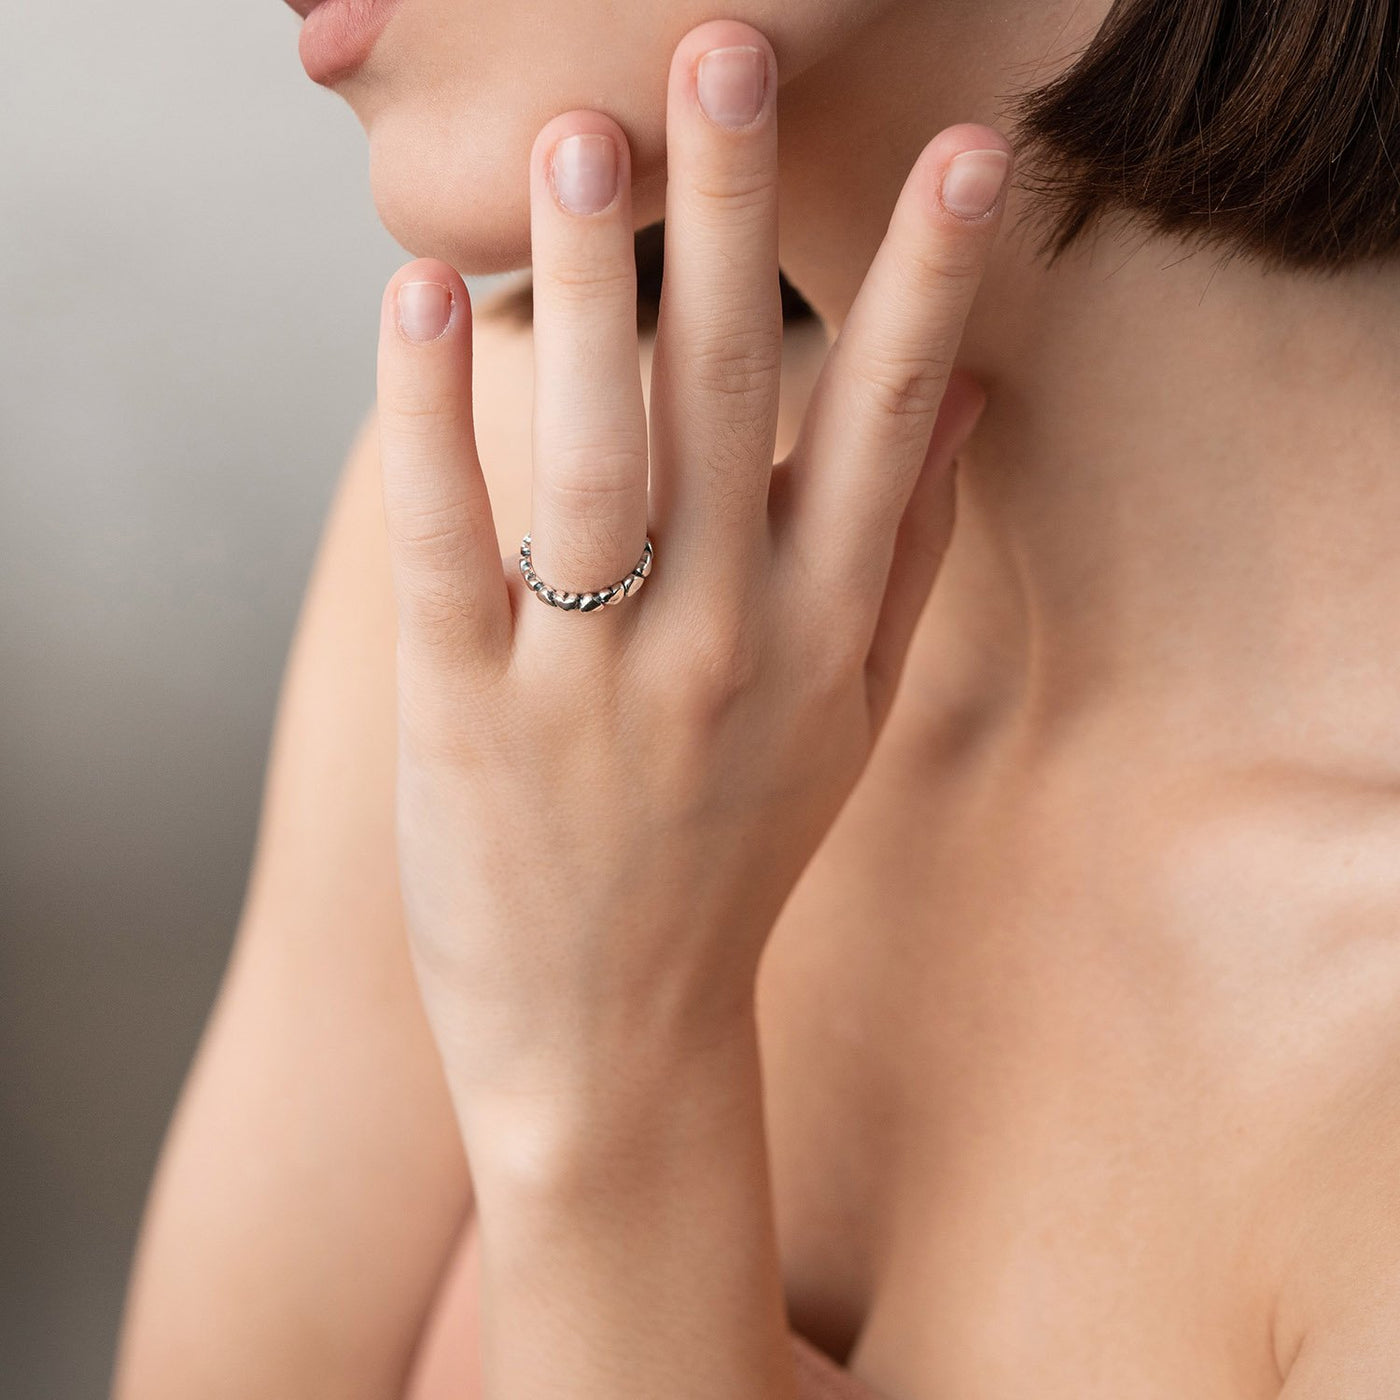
(462, 193)
(471, 213)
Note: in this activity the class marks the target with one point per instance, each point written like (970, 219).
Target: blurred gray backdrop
(190, 274)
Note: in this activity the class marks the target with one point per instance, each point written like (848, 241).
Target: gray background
(190, 273)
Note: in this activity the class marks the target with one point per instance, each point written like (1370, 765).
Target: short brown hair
(1264, 127)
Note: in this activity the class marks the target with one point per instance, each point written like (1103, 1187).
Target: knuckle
(950, 267)
(591, 480)
(580, 278)
(431, 535)
(426, 407)
(724, 665)
(905, 387)
(727, 194)
(735, 364)
(439, 615)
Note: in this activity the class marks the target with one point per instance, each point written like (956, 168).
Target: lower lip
(338, 35)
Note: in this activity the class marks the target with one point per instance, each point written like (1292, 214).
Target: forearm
(627, 1236)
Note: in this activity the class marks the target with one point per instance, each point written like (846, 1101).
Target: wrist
(598, 1124)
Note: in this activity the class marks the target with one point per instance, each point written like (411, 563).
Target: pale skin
(1079, 1057)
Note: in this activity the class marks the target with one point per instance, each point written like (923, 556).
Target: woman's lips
(337, 36)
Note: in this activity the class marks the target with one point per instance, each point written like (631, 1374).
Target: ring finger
(589, 506)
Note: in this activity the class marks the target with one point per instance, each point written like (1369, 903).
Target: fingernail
(424, 310)
(585, 172)
(731, 84)
(973, 181)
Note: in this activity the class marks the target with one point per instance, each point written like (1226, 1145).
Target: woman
(1079, 955)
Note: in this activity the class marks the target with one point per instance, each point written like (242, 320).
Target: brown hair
(1269, 128)
(1264, 127)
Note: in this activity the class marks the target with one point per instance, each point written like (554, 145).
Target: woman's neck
(1183, 500)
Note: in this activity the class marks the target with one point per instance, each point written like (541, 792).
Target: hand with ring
(604, 801)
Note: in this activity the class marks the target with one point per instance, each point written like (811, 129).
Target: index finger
(870, 418)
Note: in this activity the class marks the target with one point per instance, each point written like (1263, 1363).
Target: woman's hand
(602, 812)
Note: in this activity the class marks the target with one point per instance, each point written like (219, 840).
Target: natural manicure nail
(424, 309)
(585, 172)
(730, 84)
(973, 181)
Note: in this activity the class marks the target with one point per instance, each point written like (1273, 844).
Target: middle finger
(718, 352)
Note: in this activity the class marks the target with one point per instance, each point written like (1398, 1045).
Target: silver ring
(585, 602)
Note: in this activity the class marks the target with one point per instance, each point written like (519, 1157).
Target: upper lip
(303, 7)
